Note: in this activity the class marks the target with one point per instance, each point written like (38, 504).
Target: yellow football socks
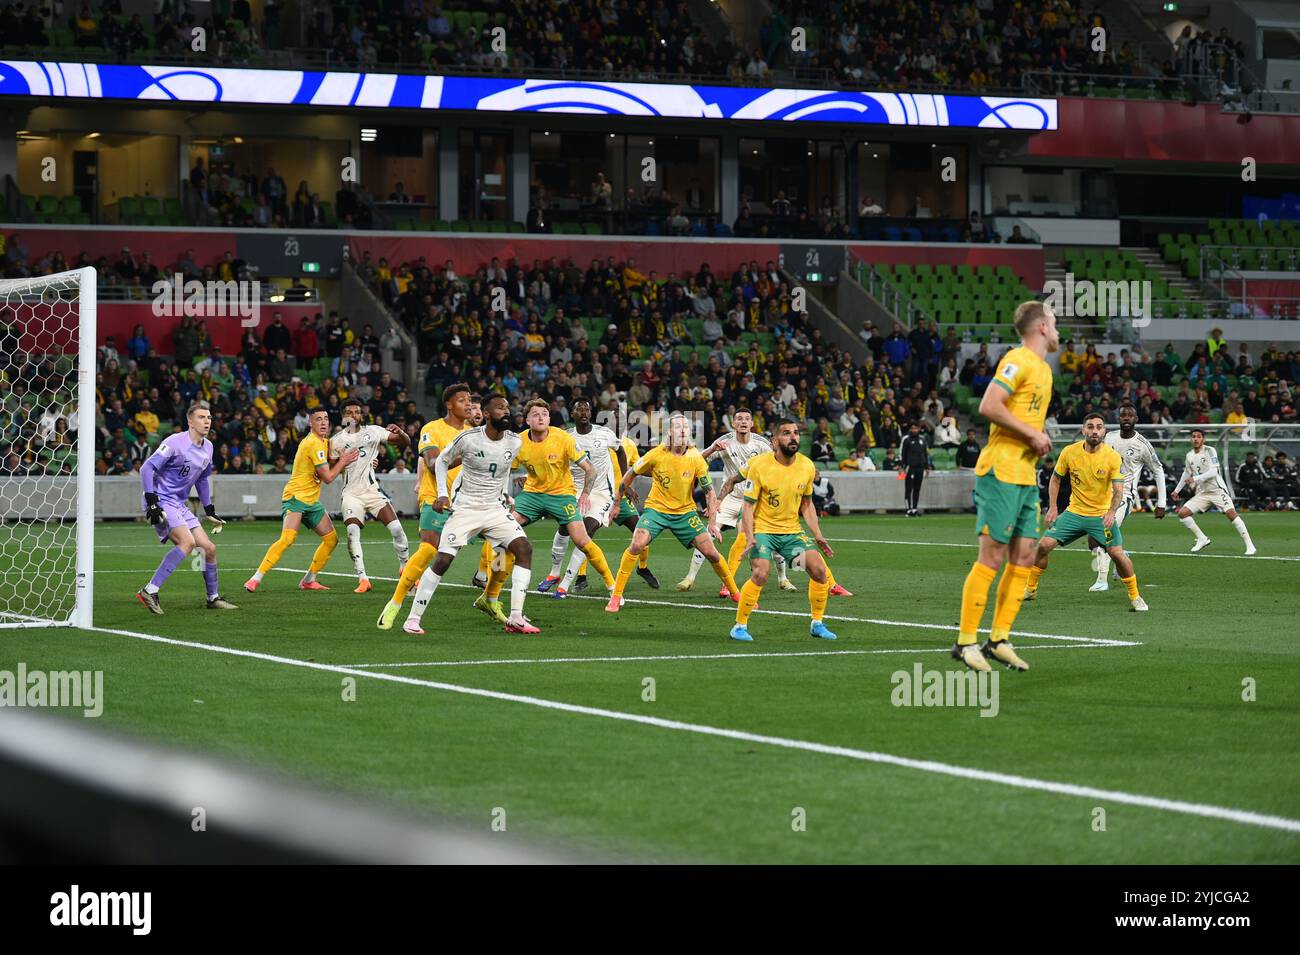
(596, 557)
(644, 560)
(749, 594)
(733, 556)
(817, 596)
(485, 556)
(625, 568)
(323, 551)
(1035, 575)
(830, 578)
(724, 574)
(1011, 594)
(1130, 585)
(415, 569)
(499, 577)
(276, 550)
(974, 598)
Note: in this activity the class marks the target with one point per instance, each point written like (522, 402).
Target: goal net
(47, 449)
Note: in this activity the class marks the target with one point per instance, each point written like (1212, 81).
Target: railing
(1232, 441)
(898, 301)
(1130, 86)
(269, 294)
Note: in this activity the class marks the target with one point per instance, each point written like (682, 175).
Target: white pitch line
(711, 656)
(730, 608)
(1139, 553)
(1204, 810)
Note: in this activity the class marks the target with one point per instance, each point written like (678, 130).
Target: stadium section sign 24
(512, 95)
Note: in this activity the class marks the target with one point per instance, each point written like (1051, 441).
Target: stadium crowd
(975, 44)
(705, 342)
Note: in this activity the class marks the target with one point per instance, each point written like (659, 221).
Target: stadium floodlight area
(47, 417)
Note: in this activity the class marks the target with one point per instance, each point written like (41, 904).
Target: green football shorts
(685, 527)
(533, 506)
(1069, 527)
(789, 546)
(1004, 511)
(312, 514)
(431, 520)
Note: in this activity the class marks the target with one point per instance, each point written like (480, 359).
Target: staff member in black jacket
(914, 457)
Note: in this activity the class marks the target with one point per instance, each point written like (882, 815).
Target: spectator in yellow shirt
(145, 421)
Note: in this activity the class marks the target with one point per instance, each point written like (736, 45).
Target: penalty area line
(1203, 810)
(708, 656)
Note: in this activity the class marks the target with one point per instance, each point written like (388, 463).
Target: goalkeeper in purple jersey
(183, 461)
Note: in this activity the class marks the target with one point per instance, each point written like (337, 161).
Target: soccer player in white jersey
(1135, 453)
(1202, 474)
(599, 442)
(486, 456)
(362, 494)
(735, 448)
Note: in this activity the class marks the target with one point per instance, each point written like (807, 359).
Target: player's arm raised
(729, 485)
(994, 407)
(328, 473)
(808, 511)
(397, 436)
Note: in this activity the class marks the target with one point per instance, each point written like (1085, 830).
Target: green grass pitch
(741, 742)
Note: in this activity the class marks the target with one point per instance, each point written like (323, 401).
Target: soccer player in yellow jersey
(624, 452)
(1096, 477)
(778, 490)
(674, 468)
(300, 503)
(434, 438)
(548, 490)
(1006, 488)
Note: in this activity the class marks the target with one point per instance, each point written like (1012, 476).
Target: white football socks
(423, 594)
(1190, 524)
(520, 577)
(1240, 525)
(559, 547)
(400, 545)
(354, 549)
(697, 561)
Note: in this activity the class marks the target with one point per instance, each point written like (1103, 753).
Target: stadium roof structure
(191, 85)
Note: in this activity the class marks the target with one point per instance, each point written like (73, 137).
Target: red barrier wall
(1118, 129)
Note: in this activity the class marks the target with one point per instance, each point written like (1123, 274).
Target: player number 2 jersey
(1028, 380)
(367, 441)
(1204, 466)
(777, 491)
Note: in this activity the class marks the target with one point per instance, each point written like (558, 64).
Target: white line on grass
(1137, 553)
(728, 607)
(712, 656)
(1241, 816)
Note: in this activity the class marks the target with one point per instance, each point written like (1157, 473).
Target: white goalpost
(47, 450)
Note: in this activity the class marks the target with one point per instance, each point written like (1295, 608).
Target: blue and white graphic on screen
(185, 84)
